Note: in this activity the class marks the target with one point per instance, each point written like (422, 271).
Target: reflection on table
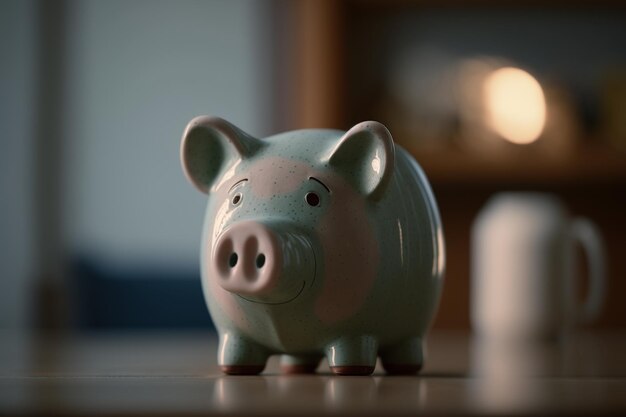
(177, 373)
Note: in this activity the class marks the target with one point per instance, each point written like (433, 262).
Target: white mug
(524, 282)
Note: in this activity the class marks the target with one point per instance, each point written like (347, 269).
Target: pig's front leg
(405, 358)
(237, 355)
(352, 355)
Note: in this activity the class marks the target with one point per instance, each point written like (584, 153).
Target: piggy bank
(316, 243)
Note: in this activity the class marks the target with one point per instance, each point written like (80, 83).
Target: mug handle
(585, 232)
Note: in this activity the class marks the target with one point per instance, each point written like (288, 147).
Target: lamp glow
(515, 106)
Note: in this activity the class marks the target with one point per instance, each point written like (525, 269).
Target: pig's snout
(252, 259)
(247, 258)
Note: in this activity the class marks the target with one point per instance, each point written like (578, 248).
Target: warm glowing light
(515, 105)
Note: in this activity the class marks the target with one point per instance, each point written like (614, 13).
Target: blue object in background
(108, 296)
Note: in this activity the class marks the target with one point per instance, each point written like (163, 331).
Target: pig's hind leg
(238, 355)
(299, 364)
(405, 358)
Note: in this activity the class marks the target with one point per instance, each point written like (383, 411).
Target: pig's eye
(312, 199)
(237, 199)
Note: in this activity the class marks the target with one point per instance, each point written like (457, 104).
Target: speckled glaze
(315, 243)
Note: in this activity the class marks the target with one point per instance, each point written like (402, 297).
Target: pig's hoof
(298, 369)
(242, 369)
(352, 370)
(402, 369)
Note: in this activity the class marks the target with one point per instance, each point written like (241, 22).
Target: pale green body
(400, 306)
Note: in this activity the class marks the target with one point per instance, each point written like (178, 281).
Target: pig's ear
(209, 146)
(365, 156)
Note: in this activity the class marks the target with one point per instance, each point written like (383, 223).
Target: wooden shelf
(543, 4)
(585, 164)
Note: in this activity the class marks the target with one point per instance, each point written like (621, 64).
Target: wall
(17, 94)
(128, 76)
(137, 73)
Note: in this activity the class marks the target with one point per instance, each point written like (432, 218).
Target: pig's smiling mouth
(292, 298)
(277, 302)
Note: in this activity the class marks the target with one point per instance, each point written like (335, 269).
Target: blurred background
(100, 230)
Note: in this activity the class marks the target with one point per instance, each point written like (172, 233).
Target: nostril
(260, 260)
(232, 261)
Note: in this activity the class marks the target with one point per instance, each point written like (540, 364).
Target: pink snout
(247, 259)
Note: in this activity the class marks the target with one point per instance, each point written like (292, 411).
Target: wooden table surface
(176, 374)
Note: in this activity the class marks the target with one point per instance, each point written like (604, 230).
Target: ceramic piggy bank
(315, 243)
